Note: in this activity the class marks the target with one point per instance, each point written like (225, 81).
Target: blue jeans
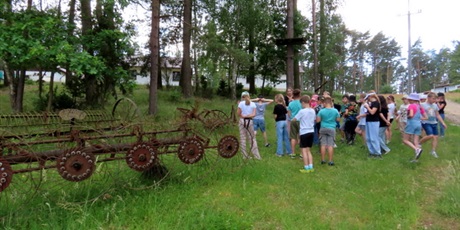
(441, 128)
(372, 137)
(282, 137)
(383, 139)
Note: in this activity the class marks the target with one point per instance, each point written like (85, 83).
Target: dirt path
(452, 111)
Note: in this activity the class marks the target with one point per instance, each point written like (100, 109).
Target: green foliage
(61, 100)
(223, 89)
(236, 194)
(385, 89)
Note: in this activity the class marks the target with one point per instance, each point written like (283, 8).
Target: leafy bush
(223, 89)
(60, 101)
(386, 89)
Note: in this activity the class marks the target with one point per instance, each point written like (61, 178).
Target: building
(444, 88)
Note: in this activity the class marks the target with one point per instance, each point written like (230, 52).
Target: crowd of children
(304, 121)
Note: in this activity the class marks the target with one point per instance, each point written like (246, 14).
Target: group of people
(305, 121)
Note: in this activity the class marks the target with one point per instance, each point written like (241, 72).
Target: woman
(384, 120)
(246, 112)
(372, 105)
(282, 133)
(415, 113)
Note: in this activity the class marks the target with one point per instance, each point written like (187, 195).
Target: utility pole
(409, 55)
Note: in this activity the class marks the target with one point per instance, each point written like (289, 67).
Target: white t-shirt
(362, 110)
(391, 110)
(306, 117)
(246, 109)
(403, 113)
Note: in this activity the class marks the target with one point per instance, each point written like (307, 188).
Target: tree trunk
(154, 55)
(186, 70)
(50, 93)
(252, 69)
(322, 42)
(315, 47)
(71, 28)
(290, 47)
(19, 97)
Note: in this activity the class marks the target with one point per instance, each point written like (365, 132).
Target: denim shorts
(259, 124)
(430, 129)
(412, 128)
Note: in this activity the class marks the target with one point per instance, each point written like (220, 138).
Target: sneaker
(385, 153)
(323, 162)
(300, 156)
(418, 153)
(292, 156)
(434, 154)
(279, 155)
(335, 146)
(306, 170)
(267, 145)
(387, 142)
(331, 163)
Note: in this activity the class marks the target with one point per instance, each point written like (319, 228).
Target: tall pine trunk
(186, 69)
(155, 57)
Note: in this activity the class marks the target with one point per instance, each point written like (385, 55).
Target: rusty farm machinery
(39, 149)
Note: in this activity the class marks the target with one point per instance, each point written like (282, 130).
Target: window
(176, 76)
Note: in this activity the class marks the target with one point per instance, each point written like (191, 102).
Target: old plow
(77, 146)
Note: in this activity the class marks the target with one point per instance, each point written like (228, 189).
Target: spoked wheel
(21, 176)
(125, 111)
(214, 119)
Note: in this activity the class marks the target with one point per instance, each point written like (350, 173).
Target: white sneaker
(434, 154)
(335, 146)
(418, 152)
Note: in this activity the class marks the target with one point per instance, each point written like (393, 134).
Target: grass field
(357, 193)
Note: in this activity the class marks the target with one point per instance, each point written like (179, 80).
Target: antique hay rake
(77, 144)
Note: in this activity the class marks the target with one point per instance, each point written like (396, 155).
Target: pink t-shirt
(414, 108)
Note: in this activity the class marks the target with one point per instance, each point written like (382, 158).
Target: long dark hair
(383, 102)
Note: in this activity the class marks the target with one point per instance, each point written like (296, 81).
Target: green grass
(357, 193)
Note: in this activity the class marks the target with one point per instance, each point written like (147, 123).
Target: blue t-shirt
(306, 117)
(294, 107)
(260, 110)
(328, 117)
(430, 110)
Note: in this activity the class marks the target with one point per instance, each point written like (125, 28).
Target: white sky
(436, 24)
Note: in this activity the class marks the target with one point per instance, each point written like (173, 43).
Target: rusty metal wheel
(125, 111)
(214, 119)
(76, 164)
(228, 146)
(190, 151)
(142, 156)
(6, 174)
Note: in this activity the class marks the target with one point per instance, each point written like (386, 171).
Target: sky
(433, 21)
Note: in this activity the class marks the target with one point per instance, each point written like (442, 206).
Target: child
(350, 120)
(441, 104)
(414, 126)
(430, 125)
(306, 117)
(246, 112)
(391, 113)
(372, 106)
(384, 120)
(361, 128)
(328, 117)
(282, 134)
(294, 107)
(402, 114)
(259, 119)
(343, 107)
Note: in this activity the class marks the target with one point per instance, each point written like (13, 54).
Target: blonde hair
(431, 94)
(247, 99)
(279, 98)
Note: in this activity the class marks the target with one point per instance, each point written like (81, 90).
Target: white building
(444, 88)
